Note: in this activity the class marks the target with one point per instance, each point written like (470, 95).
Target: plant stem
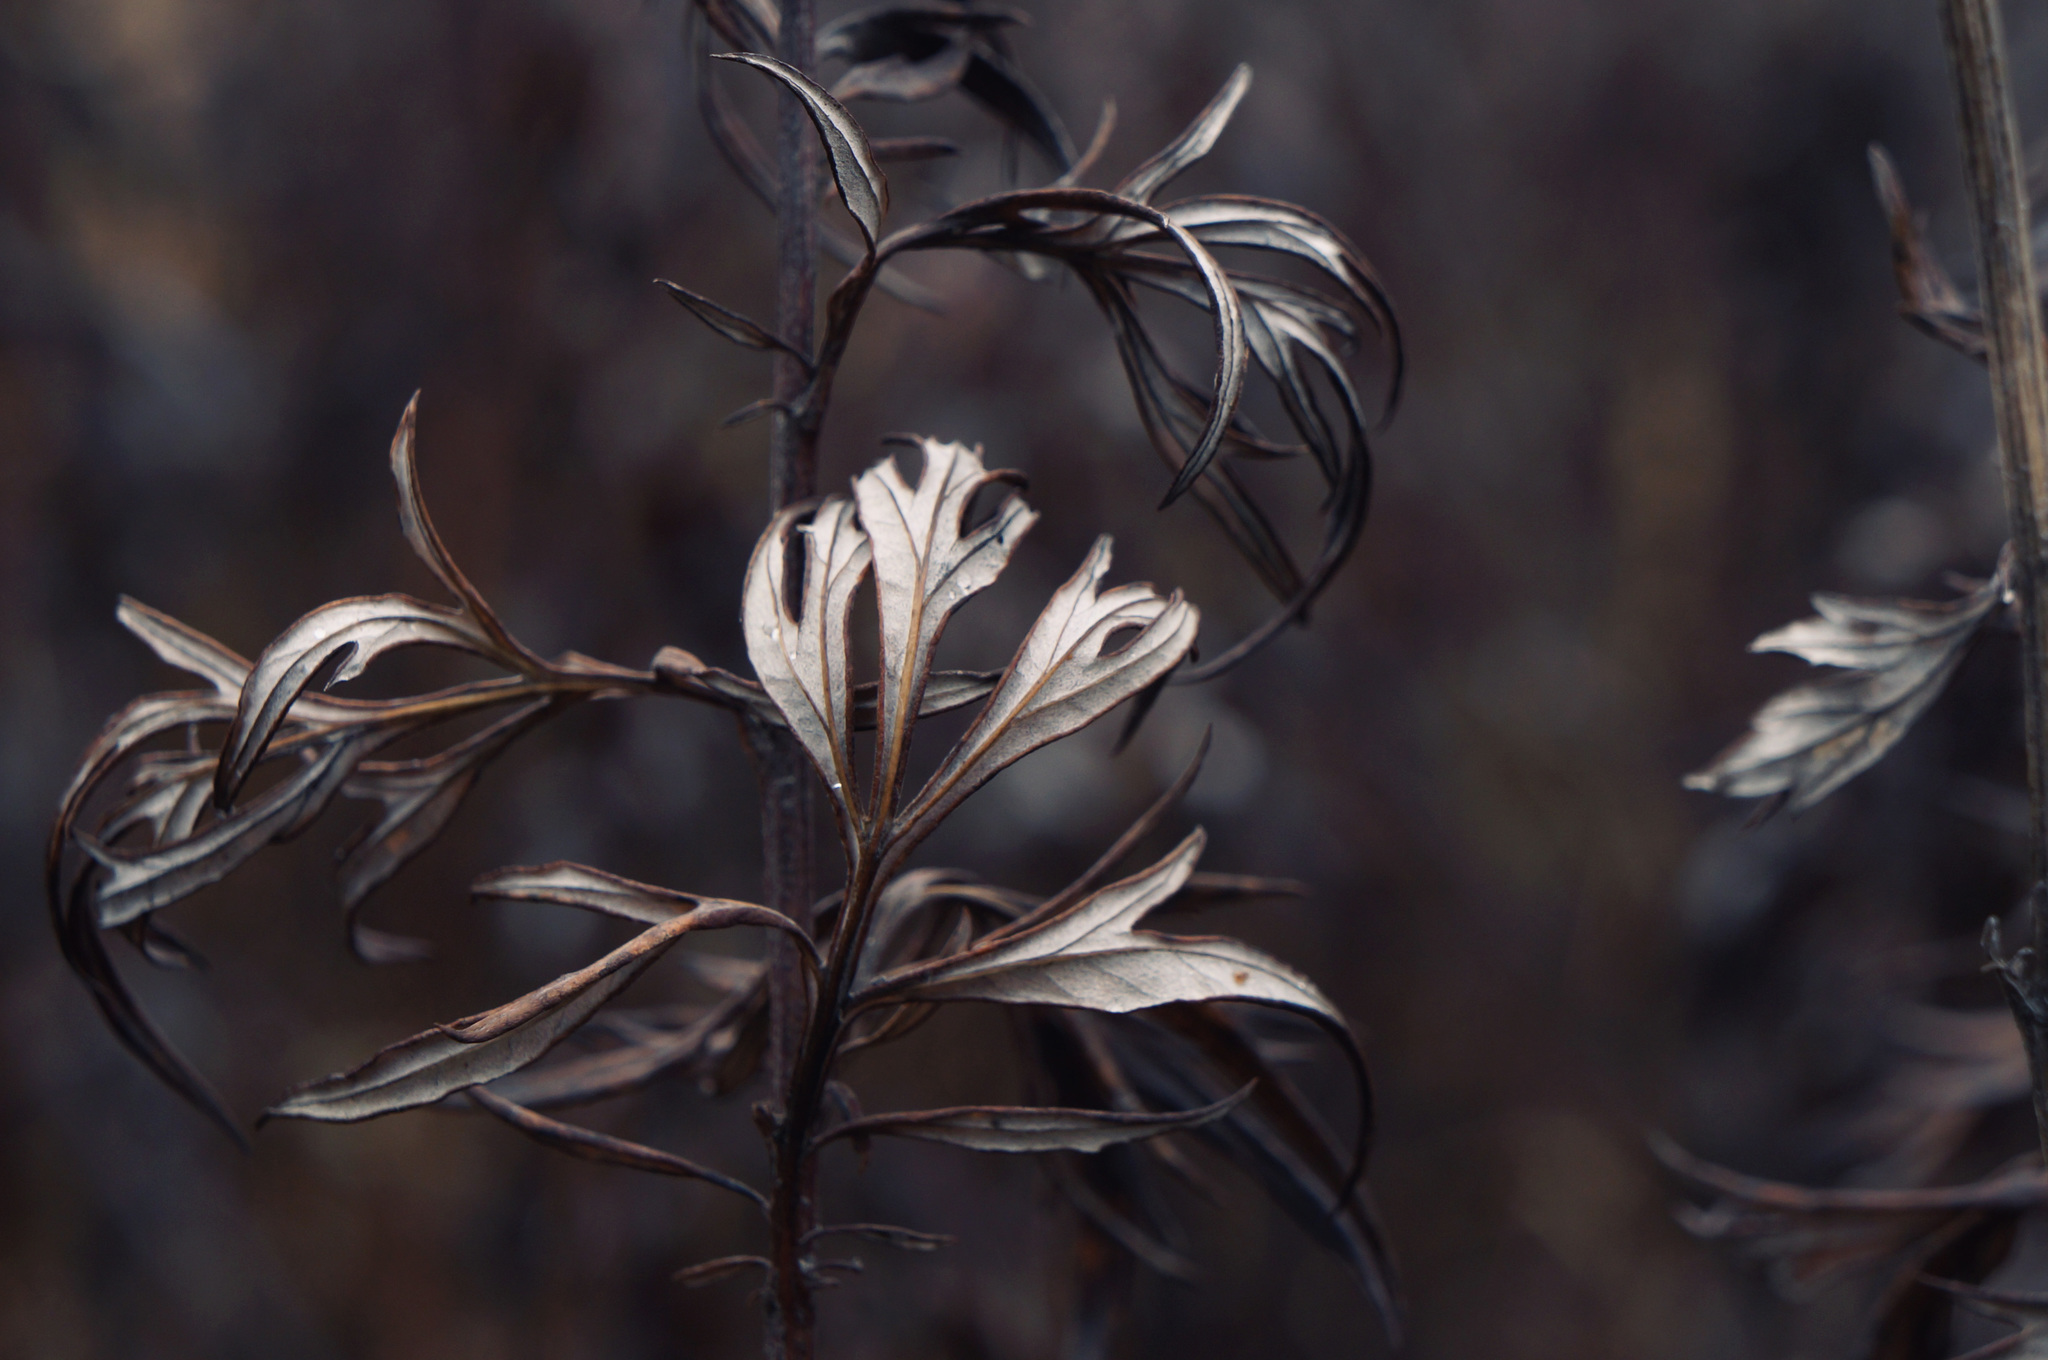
(2019, 399)
(787, 832)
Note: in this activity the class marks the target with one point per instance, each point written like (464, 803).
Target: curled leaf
(356, 631)
(1194, 142)
(801, 659)
(862, 185)
(425, 541)
(418, 798)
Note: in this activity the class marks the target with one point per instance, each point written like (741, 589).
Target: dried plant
(1894, 659)
(1127, 1033)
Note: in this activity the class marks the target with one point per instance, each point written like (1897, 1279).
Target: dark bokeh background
(1658, 393)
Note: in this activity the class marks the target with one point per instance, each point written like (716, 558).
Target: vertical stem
(787, 830)
(2019, 398)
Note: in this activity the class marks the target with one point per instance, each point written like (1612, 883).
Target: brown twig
(2019, 397)
(787, 830)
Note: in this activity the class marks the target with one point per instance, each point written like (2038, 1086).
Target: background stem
(787, 829)
(2019, 396)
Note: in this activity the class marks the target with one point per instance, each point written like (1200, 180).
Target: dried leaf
(357, 631)
(591, 1146)
(1927, 296)
(710, 1272)
(421, 1070)
(418, 798)
(906, 1239)
(802, 660)
(862, 185)
(132, 885)
(701, 1048)
(995, 82)
(1062, 679)
(1275, 1137)
(927, 563)
(1024, 1128)
(420, 533)
(1814, 738)
(1091, 956)
(1195, 142)
(741, 330)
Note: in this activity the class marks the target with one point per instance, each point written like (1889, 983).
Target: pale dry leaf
(927, 563)
(1092, 956)
(1063, 678)
(802, 659)
(862, 185)
(1897, 655)
(357, 631)
(423, 1069)
(1195, 142)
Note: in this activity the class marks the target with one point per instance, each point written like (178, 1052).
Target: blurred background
(1658, 393)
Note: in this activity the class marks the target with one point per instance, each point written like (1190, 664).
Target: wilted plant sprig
(1895, 657)
(1127, 1033)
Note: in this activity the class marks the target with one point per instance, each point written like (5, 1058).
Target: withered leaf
(591, 1146)
(131, 885)
(426, 542)
(862, 185)
(802, 660)
(701, 1047)
(1017, 223)
(1897, 657)
(927, 563)
(1025, 1128)
(418, 797)
(741, 330)
(1275, 1137)
(1927, 296)
(421, 1070)
(906, 1239)
(1194, 142)
(1062, 678)
(357, 631)
(579, 885)
(1091, 956)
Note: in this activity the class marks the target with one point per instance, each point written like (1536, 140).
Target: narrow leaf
(1928, 298)
(425, 541)
(132, 885)
(418, 799)
(421, 1070)
(591, 1146)
(741, 330)
(1195, 142)
(862, 185)
(1024, 1128)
